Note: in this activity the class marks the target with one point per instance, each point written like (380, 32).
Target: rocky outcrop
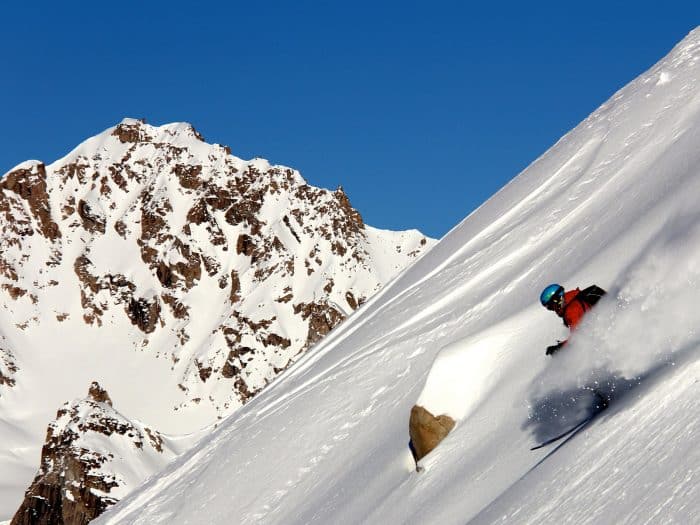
(144, 313)
(427, 431)
(92, 221)
(8, 368)
(131, 131)
(30, 185)
(79, 477)
(322, 318)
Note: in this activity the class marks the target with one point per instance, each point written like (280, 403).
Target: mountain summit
(179, 277)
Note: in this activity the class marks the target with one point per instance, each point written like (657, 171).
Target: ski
(564, 434)
(603, 403)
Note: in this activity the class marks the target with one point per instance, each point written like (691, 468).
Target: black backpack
(591, 295)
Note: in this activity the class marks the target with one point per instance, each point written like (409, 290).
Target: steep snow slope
(613, 202)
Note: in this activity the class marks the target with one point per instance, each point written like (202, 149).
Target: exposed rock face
(99, 394)
(8, 368)
(131, 131)
(427, 431)
(30, 186)
(322, 319)
(77, 477)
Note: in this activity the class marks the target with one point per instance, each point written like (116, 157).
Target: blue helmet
(550, 293)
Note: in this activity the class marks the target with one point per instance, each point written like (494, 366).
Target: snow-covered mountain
(180, 278)
(461, 332)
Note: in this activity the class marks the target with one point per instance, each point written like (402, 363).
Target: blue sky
(420, 110)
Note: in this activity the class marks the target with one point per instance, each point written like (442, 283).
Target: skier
(570, 306)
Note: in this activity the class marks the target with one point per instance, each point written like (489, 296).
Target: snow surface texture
(180, 277)
(614, 202)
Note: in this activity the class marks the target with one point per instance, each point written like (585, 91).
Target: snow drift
(461, 332)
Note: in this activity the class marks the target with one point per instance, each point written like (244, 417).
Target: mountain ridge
(179, 277)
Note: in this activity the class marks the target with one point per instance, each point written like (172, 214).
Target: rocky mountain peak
(99, 394)
(136, 131)
(84, 462)
(187, 220)
(166, 260)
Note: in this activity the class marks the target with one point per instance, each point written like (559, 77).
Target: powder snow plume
(622, 340)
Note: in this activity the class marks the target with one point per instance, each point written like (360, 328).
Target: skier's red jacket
(573, 309)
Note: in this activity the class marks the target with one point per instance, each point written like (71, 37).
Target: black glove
(555, 348)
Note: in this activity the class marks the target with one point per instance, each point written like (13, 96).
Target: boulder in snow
(427, 430)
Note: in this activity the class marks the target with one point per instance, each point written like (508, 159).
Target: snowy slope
(181, 278)
(613, 202)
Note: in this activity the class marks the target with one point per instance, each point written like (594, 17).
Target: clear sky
(420, 110)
